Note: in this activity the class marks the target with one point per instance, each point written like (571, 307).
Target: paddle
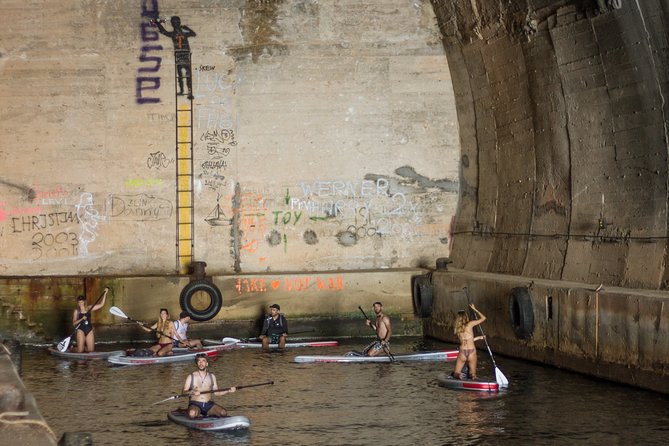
(181, 395)
(230, 341)
(65, 343)
(499, 376)
(116, 311)
(385, 346)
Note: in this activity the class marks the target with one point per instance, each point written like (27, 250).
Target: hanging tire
(422, 296)
(521, 312)
(201, 299)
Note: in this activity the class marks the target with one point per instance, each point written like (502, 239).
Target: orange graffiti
(297, 284)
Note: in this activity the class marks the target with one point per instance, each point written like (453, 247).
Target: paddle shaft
(119, 313)
(243, 386)
(154, 330)
(291, 333)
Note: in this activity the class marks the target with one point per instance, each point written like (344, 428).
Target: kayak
(248, 344)
(86, 355)
(125, 359)
(446, 380)
(238, 422)
(442, 355)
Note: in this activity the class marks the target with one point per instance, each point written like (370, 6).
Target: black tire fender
(422, 296)
(215, 303)
(521, 313)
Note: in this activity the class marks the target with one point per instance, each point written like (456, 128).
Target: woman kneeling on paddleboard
(464, 329)
(201, 385)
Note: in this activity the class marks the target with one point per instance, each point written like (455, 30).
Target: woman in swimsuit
(81, 320)
(165, 331)
(464, 329)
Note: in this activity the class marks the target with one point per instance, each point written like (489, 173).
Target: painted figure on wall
(179, 35)
(88, 218)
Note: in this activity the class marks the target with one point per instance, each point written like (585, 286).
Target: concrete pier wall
(609, 332)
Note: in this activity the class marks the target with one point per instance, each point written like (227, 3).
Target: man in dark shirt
(274, 328)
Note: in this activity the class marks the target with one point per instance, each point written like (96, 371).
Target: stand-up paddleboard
(242, 343)
(443, 355)
(446, 380)
(85, 355)
(128, 359)
(238, 422)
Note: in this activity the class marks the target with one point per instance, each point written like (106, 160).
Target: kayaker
(164, 329)
(274, 328)
(199, 382)
(181, 329)
(464, 330)
(81, 319)
(383, 329)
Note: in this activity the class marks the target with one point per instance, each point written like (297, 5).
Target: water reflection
(345, 404)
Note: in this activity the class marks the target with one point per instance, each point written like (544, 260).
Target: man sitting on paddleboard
(383, 332)
(201, 385)
(181, 330)
(274, 328)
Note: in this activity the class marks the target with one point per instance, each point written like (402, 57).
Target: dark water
(346, 404)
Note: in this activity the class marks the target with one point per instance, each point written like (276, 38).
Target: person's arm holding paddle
(474, 322)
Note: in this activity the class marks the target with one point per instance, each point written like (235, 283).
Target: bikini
(466, 351)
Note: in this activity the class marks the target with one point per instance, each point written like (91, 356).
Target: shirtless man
(198, 382)
(383, 332)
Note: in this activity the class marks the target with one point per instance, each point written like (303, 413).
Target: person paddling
(165, 332)
(383, 330)
(81, 320)
(198, 382)
(464, 329)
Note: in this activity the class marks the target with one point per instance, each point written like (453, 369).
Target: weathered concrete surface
(614, 333)
(323, 134)
(22, 423)
(563, 123)
(325, 301)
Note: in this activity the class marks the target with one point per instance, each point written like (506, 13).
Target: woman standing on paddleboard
(464, 329)
(81, 320)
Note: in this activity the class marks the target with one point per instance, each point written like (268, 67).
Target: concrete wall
(614, 333)
(324, 137)
(563, 122)
(38, 310)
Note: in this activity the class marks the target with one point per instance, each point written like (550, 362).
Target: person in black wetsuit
(274, 328)
(81, 320)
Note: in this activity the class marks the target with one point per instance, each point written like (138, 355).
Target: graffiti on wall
(180, 34)
(140, 207)
(297, 284)
(158, 160)
(147, 81)
(89, 217)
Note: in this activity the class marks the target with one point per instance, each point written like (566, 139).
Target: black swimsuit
(86, 326)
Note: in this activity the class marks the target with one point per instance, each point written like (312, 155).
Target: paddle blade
(116, 311)
(230, 341)
(173, 397)
(64, 344)
(500, 378)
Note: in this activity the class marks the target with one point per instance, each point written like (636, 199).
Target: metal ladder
(184, 165)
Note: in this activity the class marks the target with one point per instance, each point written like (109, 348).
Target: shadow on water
(346, 404)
